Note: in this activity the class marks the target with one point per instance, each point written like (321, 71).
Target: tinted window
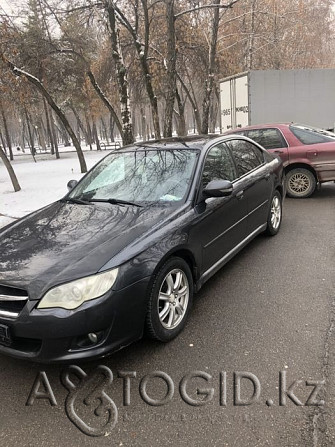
(268, 138)
(219, 165)
(247, 155)
(310, 135)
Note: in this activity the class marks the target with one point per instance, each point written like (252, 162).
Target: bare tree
(10, 170)
(61, 115)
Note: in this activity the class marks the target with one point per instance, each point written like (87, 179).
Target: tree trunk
(7, 134)
(40, 87)
(121, 76)
(111, 126)
(89, 131)
(104, 130)
(3, 143)
(54, 134)
(143, 124)
(10, 170)
(64, 134)
(41, 135)
(31, 136)
(211, 69)
(181, 123)
(96, 138)
(171, 68)
(47, 118)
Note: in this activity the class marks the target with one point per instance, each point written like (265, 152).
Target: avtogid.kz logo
(90, 408)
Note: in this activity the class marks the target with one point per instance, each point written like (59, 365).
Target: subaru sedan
(123, 253)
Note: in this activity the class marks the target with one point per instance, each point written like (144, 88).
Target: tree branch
(198, 8)
(95, 85)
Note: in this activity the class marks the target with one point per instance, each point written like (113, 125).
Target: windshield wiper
(74, 200)
(115, 202)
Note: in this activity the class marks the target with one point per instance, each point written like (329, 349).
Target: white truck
(278, 96)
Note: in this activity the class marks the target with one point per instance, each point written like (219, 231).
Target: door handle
(278, 152)
(239, 195)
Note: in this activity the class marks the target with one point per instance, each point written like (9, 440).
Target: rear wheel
(300, 183)
(275, 214)
(170, 300)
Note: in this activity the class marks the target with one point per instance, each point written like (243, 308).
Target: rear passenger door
(255, 176)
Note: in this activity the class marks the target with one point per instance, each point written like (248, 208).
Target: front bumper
(58, 335)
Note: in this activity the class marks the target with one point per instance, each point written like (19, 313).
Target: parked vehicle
(308, 153)
(124, 251)
(276, 96)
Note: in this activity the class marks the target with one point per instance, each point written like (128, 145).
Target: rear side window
(247, 156)
(310, 135)
(268, 138)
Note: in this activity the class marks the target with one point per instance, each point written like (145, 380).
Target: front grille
(12, 301)
(12, 291)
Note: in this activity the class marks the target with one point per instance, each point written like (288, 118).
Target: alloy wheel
(275, 212)
(173, 299)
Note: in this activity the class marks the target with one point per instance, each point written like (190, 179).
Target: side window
(268, 138)
(247, 156)
(219, 165)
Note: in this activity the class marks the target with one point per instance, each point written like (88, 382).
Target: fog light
(93, 337)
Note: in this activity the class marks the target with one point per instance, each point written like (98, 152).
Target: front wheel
(300, 183)
(275, 214)
(170, 300)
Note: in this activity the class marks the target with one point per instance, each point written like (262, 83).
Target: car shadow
(325, 191)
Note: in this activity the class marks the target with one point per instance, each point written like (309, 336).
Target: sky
(5, 4)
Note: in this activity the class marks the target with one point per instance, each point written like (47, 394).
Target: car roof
(258, 126)
(189, 142)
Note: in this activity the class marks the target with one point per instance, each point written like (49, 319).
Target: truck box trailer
(278, 96)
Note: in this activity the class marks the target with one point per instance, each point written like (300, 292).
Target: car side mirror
(71, 184)
(218, 188)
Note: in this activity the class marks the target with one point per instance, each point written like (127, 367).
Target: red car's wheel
(300, 183)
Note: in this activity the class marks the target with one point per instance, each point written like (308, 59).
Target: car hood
(65, 241)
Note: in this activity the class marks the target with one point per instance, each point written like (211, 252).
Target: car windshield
(311, 135)
(139, 176)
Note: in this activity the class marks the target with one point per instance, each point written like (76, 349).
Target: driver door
(221, 222)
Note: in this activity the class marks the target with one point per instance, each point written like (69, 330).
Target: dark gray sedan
(125, 250)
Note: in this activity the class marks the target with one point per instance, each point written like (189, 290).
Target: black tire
(300, 183)
(156, 326)
(275, 214)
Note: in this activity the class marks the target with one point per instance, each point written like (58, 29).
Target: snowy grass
(41, 183)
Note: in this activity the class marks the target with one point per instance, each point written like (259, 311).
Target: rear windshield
(311, 135)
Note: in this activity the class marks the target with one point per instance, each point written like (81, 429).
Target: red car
(308, 153)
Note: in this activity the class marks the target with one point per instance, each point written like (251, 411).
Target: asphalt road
(271, 309)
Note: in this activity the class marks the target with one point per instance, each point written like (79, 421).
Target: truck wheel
(170, 300)
(300, 183)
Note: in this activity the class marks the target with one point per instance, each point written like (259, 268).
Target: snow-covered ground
(41, 183)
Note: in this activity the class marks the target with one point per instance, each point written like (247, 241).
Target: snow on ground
(41, 183)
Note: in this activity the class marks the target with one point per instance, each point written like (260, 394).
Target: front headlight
(73, 294)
